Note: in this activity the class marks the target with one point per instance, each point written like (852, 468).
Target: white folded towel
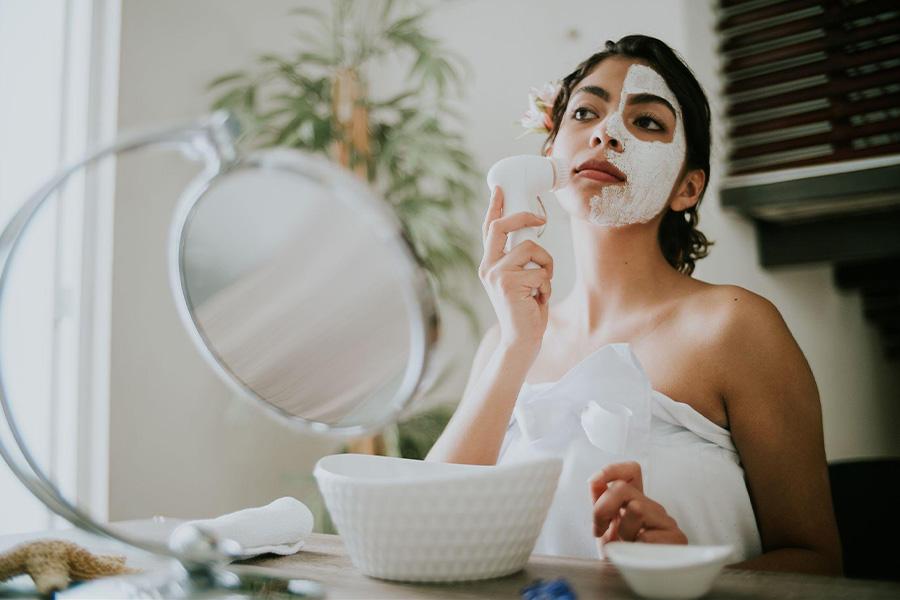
(280, 527)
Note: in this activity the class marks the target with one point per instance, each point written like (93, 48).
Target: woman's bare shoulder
(727, 309)
(738, 329)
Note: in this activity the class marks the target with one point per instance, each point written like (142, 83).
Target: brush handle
(522, 201)
(522, 179)
(517, 237)
(520, 235)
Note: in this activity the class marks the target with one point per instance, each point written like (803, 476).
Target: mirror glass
(303, 291)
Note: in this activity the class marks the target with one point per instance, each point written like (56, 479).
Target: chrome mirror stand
(202, 568)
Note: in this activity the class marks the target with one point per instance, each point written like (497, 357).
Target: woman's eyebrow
(650, 99)
(593, 89)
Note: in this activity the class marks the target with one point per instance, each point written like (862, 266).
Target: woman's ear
(689, 190)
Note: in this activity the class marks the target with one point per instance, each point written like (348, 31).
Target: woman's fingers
(612, 488)
(519, 284)
(494, 211)
(531, 278)
(511, 276)
(624, 513)
(629, 472)
(544, 292)
(632, 521)
(606, 507)
(612, 532)
(499, 228)
(662, 536)
(644, 515)
(525, 253)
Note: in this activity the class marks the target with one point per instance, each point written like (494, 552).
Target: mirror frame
(416, 290)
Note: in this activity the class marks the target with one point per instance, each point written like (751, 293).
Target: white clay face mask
(650, 167)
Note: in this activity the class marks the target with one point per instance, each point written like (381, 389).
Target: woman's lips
(599, 176)
(599, 170)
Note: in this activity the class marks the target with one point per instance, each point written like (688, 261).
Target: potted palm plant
(405, 143)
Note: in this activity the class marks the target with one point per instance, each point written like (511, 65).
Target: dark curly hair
(682, 244)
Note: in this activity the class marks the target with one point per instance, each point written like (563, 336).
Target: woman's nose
(601, 136)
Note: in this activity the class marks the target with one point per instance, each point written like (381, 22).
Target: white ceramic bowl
(410, 520)
(666, 570)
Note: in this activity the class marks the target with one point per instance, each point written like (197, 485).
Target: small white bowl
(668, 570)
(410, 520)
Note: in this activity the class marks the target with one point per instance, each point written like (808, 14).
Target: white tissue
(281, 527)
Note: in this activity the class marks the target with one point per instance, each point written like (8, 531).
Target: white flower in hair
(539, 116)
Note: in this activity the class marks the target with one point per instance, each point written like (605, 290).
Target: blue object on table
(558, 589)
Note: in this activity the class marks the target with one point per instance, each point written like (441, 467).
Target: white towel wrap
(605, 410)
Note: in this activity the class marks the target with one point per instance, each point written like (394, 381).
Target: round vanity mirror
(302, 292)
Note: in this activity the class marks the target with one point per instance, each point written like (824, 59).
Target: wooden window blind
(809, 82)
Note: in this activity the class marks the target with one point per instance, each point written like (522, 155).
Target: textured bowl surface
(411, 520)
(668, 571)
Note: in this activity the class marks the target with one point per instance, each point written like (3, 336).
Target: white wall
(182, 446)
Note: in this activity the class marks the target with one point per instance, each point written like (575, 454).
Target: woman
(684, 411)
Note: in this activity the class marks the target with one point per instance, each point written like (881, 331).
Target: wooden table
(324, 559)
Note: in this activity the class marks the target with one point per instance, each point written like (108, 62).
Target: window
(57, 66)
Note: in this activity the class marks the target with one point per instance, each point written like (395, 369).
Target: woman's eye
(649, 123)
(581, 113)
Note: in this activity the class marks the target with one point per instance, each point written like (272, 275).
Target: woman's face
(623, 137)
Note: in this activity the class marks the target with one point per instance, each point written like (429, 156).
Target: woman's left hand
(623, 512)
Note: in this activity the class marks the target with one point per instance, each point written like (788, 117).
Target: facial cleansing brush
(522, 178)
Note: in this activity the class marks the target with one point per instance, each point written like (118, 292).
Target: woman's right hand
(522, 317)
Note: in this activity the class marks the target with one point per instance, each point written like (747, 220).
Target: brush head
(562, 172)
